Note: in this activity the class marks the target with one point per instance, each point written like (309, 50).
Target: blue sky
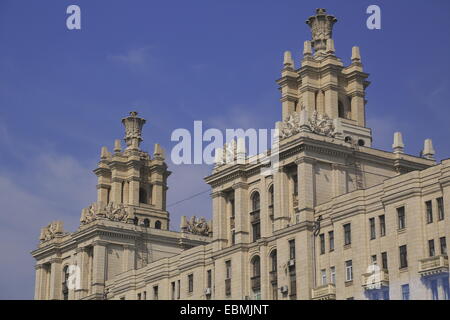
(63, 93)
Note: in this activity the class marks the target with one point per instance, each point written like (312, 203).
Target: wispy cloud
(135, 58)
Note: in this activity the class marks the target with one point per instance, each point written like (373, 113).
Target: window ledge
(348, 283)
(347, 246)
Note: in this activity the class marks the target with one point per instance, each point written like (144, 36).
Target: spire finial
(133, 130)
(321, 28)
(398, 145)
(287, 61)
(428, 150)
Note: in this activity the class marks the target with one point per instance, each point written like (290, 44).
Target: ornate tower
(323, 85)
(134, 180)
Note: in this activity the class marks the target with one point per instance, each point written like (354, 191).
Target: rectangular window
(373, 259)
(440, 206)
(292, 249)
(382, 225)
(178, 289)
(429, 211)
(331, 240)
(405, 292)
(323, 276)
(348, 270)
(139, 297)
(172, 290)
(228, 269)
(322, 243)
(384, 260)
(209, 279)
(401, 218)
(347, 234)
(372, 228)
(190, 283)
(403, 257)
(256, 231)
(233, 238)
(155, 293)
(443, 245)
(145, 295)
(333, 275)
(431, 250)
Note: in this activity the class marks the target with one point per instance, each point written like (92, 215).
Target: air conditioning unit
(284, 289)
(291, 263)
(208, 291)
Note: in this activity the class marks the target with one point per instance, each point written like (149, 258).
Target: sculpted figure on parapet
(112, 211)
(49, 232)
(199, 227)
(317, 123)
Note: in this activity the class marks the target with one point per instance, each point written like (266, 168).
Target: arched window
(142, 195)
(65, 288)
(273, 261)
(256, 276)
(255, 201)
(271, 196)
(158, 224)
(136, 221)
(146, 223)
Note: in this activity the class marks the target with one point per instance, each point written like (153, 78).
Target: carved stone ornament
(317, 123)
(198, 227)
(49, 232)
(112, 211)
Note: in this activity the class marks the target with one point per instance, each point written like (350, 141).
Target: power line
(188, 198)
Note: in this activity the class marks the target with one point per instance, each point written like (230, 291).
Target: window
(155, 293)
(228, 269)
(256, 275)
(145, 295)
(233, 207)
(256, 227)
(372, 228)
(146, 223)
(142, 195)
(255, 201)
(333, 275)
(139, 296)
(158, 224)
(331, 240)
(322, 243)
(292, 249)
(429, 211)
(382, 225)
(65, 290)
(256, 266)
(348, 270)
(384, 260)
(440, 206)
(323, 276)
(273, 259)
(401, 218)
(178, 289)
(209, 279)
(271, 196)
(373, 259)
(191, 283)
(403, 257)
(172, 291)
(431, 250)
(405, 292)
(233, 238)
(347, 234)
(443, 245)
(341, 112)
(295, 182)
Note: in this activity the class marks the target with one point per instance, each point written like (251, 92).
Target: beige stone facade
(334, 219)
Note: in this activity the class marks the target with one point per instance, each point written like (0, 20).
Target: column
(339, 179)
(331, 103)
(219, 221)
(116, 190)
(99, 268)
(39, 284)
(309, 101)
(281, 198)
(357, 105)
(306, 188)
(304, 264)
(242, 212)
(157, 196)
(129, 257)
(55, 279)
(102, 193)
(83, 264)
(133, 192)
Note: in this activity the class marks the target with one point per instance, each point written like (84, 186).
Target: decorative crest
(133, 130)
(321, 28)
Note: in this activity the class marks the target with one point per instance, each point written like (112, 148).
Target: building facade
(329, 218)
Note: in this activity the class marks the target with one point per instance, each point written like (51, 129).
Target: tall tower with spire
(323, 85)
(133, 179)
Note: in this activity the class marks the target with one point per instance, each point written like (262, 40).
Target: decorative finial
(330, 46)
(104, 153)
(321, 28)
(398, 145)
(428, 150)
(117, 146)
(356, 56)
(307, 49)
(288, 62)
(133, 130)
(158, 152)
